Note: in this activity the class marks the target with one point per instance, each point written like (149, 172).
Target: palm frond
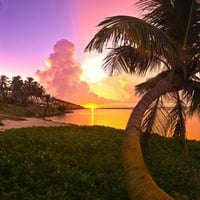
(130, 60)
(195, 102)
(130, 31)
(155, 118)
(194, 106)
(144, 87)
(177, 118)
(191, 94)
(156, 11)
(179, 19)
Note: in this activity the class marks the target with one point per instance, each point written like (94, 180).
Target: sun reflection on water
(92, 108)
(92, 115)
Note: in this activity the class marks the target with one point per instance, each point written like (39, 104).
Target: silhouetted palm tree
(29, 90)
(17, 90)
(4, 87)
(39, 92)
(166, 40)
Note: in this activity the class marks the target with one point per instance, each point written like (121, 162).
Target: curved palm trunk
(139, 182)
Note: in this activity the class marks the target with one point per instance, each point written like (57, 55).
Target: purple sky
(30, 28)
(28, 31)
(34, 31)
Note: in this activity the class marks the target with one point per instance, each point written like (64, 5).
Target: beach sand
(28, 122)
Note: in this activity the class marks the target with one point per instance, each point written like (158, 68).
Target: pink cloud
(61, 77)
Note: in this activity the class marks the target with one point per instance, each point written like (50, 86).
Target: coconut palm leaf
(133, 33)
(154, 120)
(195, 101)
(130, 60)
(176, 118)
(178, 19)
(142, 88)
(194, 98)
(149, 117)
(191, 94)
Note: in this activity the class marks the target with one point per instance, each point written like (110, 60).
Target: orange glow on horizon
(90, 105)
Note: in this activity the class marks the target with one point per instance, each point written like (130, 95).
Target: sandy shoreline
(28, 122)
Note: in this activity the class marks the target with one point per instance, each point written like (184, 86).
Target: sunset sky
(45, 39)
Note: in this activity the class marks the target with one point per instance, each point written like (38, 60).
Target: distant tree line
(21, 92)
(29, 92)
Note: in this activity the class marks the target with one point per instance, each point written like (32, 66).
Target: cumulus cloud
(61, 76)
(119, 88)
(64, 78)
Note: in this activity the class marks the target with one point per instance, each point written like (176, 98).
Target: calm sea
(116, 118)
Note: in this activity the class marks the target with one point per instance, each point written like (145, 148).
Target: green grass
(61, 163)
(174, 171)
(79, 162)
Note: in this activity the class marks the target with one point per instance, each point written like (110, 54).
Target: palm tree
(39, 92)
(28, 90)
(4, 82)
(167, 41)
(17, 90)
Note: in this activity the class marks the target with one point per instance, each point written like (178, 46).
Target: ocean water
(116, 118)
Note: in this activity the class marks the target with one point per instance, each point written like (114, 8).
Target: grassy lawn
(176, 173)
(79, 162)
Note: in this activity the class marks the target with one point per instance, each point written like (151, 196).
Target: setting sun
(90, 105)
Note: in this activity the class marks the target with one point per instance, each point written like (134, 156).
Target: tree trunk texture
(139, 182)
